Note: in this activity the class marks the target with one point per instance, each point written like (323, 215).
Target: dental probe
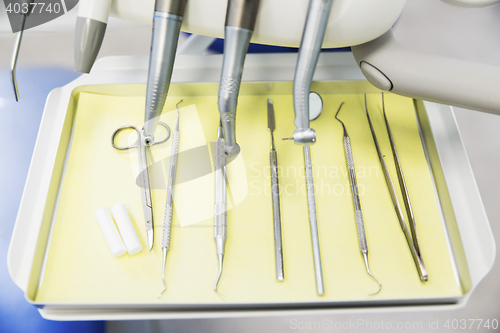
(278, 245)
(89, 32)
(422, 271)
(17, 46)
(240, 22)
(220, 217)
(167, 21)
(310, 48)
(167, 222)
(360, 226)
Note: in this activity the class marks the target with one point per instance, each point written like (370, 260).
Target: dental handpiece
(311, 201)
(310, 48)
(167, 23)
(167, 222)
(240, 22)
(220, 217)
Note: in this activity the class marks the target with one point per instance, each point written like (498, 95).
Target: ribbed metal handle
(167, 225)
(361, 232)
(167, 222)
(175, 150)
(354, 187)
(348, 153)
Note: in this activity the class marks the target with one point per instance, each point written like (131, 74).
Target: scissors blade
(146, 194)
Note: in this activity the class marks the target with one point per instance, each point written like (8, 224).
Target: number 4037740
(462, 324)
(34, 7)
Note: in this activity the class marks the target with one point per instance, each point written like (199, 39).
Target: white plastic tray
(471, 239)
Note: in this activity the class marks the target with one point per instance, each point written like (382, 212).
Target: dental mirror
(315, 105)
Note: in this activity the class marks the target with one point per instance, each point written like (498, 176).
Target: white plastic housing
(94, 9)
(280, 22)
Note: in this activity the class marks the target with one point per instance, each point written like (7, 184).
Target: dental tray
(59, 257)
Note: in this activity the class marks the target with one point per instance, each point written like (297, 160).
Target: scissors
(144, 175)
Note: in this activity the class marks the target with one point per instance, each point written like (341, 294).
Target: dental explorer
(360, 226)
(310, 47)
(220, 217)
(167, 23)
(412, 242)
(15, 53)
(278, 245)
(240, 22)
(167, 222)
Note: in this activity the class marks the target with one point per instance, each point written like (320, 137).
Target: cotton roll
(127, 230)
(110, 233)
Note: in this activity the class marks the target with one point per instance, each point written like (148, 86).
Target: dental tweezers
(360, 226)
(411, 237)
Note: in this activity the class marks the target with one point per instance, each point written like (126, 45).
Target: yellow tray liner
(80, 268)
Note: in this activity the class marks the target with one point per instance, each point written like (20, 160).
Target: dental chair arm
(392, 67)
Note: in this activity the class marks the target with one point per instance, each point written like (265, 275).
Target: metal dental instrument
(402, 184)
(220, 217)
(167, 22)
(360, 226)
(143, 174)
(167, 221)
(278, 246)
(311, 201)
(412, 242)
(17, 46)
(240, 22)
(310, 47)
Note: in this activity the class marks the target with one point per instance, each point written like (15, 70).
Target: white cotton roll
(110, 233)
(127, 230)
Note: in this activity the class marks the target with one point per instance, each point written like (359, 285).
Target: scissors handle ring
(167, 137)
(115, 133)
